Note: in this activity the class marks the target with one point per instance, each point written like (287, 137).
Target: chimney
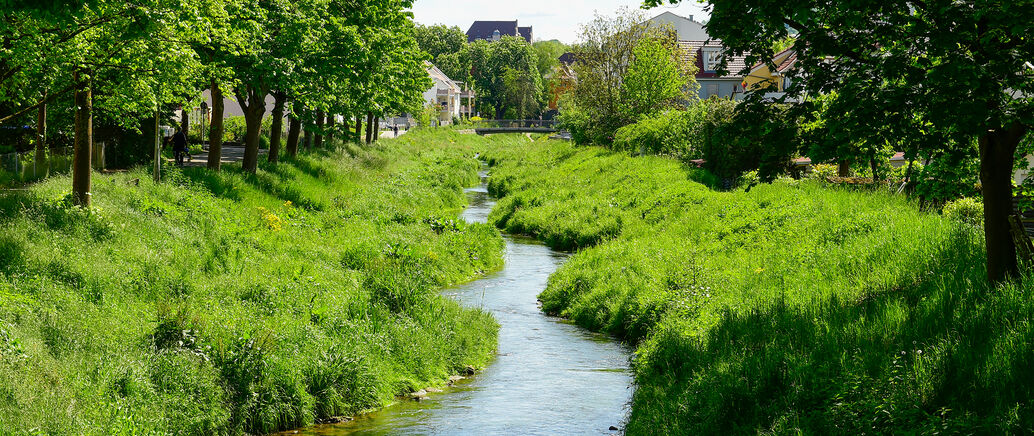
(691, 18)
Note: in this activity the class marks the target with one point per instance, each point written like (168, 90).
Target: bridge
(515, 126)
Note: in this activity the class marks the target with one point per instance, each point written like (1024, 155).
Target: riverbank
(232, 303)
(789, 308)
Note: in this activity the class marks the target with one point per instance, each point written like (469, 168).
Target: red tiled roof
(691, 52)
(788, 63)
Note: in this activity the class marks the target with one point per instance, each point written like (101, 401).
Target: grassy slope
(788, 308)
(233, 303)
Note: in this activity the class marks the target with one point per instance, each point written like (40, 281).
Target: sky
(551, 19)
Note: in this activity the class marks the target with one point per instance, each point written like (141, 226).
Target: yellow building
(763, 77)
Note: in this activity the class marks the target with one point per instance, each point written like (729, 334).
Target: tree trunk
(376, 128)
(359, 128)
(81, 171)
(293, 130)
(997, 149)
(41, 140)
(215, 129)
(277, 127)
(369, 127)
(331, 124)
(307, 137)
(253, 112)
(320, 116)
(875, 169)
(843, 168)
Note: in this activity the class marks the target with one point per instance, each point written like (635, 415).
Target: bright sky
(552, 19)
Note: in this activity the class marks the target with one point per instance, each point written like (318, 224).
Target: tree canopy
(906, 71)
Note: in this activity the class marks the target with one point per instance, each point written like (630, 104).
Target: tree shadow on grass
(939, 352)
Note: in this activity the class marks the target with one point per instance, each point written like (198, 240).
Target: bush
(824, 171)
(666, 133)
(966, 210)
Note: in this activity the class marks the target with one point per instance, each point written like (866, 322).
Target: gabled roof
(691, 52)
(566, 58)
(438, 76)
(525, 32)
(485, 30)
(789, 58)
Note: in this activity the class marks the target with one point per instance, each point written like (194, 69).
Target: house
(561, 80)
(686, 29)
(701, 50)
(495, 30)
(763, 77)
(448, 96)
(707, 56)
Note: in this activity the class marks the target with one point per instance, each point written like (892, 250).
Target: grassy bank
(231, 303)
(789, 308)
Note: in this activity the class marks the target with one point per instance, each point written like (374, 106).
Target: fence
(20, 168)
(517, 123)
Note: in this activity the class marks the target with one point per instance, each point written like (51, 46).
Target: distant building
(699, 49)
(495, 30)
(448, 96)
(707, 56)
(686, 29)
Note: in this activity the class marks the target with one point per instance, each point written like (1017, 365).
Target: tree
(656, 78)
(964, 67)
(625, 69)
(548, 55)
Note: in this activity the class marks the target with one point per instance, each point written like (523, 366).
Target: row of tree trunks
(376, 128)
(83, 152)
(277, 127)
(215, 130)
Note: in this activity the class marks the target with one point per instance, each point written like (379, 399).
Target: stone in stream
(433, 390)
(418, 395)
(455, 378)
(614, 428)
(469, 370)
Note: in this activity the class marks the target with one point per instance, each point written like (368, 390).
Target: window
(712, 57)
(496, 36)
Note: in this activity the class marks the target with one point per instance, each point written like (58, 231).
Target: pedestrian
(179, 146)
(396, 129)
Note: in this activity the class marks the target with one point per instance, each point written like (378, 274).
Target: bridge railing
(546, 124)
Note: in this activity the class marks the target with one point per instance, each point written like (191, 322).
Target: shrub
(965, 210)
(824, 171)
(666, 133)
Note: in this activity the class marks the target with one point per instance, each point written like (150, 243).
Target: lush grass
(791, 308)
(231, 303)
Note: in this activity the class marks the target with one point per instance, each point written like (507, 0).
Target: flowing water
(550, 377)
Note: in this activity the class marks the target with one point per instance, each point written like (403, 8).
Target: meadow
(790, 308)
(231, 303)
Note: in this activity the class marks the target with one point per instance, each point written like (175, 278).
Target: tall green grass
(791, 308)
(234, 303)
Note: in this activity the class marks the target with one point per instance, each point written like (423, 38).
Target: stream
(549, 376)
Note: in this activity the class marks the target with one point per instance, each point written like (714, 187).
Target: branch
(50, 97)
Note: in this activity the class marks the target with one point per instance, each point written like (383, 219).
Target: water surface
(549, 378)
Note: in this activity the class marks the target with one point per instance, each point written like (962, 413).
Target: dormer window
(496, 36)
(712, 58)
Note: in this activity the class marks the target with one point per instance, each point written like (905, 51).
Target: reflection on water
(550, 377)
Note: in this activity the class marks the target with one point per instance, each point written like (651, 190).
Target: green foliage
(667, 133)
(791, 308)
(966, 210)
(178, 308)
(625, 69)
